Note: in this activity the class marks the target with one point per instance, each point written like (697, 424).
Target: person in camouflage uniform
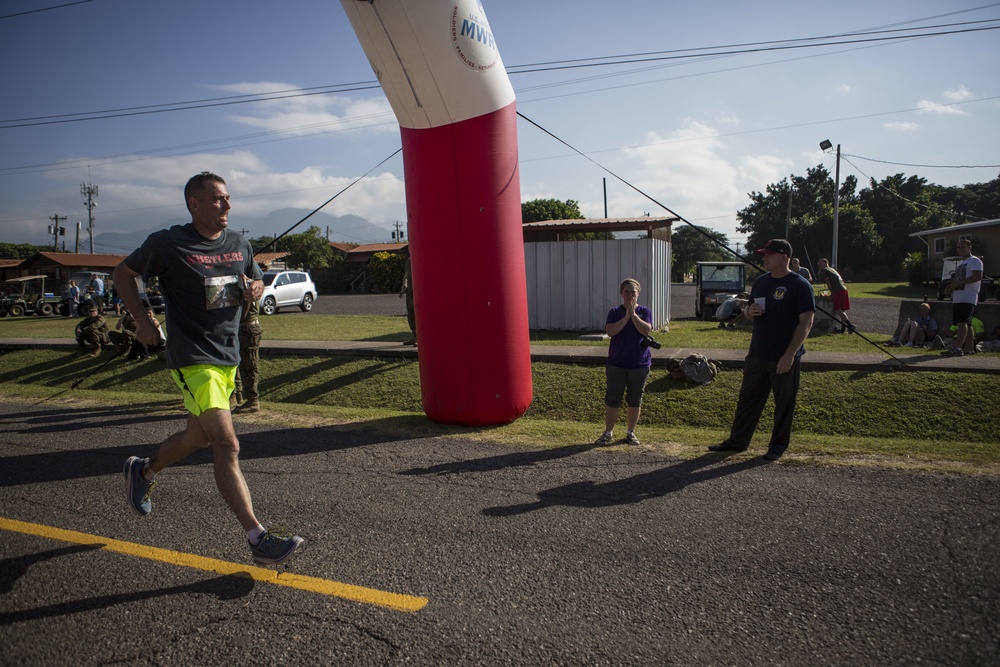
(124, 334)
(92, 333)
(248, 374)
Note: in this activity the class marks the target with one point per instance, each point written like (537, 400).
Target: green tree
(21, 250)
(310, 249)
(538, 210)
(767, 215)
(691, 244)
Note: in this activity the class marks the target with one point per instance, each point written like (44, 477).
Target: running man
(206, 272)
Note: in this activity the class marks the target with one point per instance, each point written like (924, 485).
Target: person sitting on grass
(919, 331)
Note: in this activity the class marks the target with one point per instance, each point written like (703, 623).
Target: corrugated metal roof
(378, 247)
(73, 259)
(601, 224)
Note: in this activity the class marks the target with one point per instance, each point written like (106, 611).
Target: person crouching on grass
(628, 361)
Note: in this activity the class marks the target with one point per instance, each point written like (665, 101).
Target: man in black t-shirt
(781, 307)
(206, 272)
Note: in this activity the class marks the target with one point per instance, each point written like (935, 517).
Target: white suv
(287, 288)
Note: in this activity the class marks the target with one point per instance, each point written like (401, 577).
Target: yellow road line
(312, 584)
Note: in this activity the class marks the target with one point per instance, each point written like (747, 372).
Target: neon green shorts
(205, 386)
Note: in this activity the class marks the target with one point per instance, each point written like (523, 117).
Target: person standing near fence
(628, 364)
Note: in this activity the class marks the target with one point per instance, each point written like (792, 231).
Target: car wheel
(16, 310)
(307, 303)
(44, 309)
(268, 306)
(708, 313)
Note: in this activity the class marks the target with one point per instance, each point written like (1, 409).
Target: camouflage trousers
(123, 340)
(90, 340)
(248, 374)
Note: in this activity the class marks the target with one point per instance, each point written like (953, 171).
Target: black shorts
(962, 313)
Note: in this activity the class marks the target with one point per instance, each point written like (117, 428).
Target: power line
(602, 61)
(926, 166)
(929, 207)
(45, 9)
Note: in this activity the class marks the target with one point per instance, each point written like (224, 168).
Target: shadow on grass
(633, 489)
(107, 371)
(310, 393)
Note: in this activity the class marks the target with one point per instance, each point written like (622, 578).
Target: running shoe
(273, 549)
(630, 439)
(137, 489)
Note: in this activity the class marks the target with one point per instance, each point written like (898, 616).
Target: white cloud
(926, 106)
(903, 127)
(951, 96)
(691, 171)
(310, 114)
(959, 94)
(154, 192)
(843, 89)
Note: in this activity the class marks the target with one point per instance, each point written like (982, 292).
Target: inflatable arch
(441, 70)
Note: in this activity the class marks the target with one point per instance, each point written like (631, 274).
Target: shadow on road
(229, 587)
(502, 462)
(632, 489)
(55, 465)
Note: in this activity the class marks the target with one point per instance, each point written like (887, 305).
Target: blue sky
(697, 133)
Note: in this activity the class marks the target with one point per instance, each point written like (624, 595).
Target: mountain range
(343, 228)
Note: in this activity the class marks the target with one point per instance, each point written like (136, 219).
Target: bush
(915, 269)
(386, 270)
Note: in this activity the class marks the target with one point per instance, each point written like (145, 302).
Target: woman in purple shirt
(628, 361)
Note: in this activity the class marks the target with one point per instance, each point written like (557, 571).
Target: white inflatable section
(454, 76)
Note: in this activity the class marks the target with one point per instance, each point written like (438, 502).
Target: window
(939, 246)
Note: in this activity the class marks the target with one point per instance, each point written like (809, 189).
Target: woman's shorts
(205, 386)
(628, 381)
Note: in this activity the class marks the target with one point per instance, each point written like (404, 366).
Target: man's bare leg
(216, 426)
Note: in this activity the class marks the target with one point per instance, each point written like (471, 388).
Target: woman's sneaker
(630, 439)
(606, 438)
(274, 550)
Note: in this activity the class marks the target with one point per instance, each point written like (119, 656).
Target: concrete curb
(594, 355)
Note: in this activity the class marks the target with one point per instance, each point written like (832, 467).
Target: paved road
(571, 555)
(871, 315)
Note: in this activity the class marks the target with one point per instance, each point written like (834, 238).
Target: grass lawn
(925, 420)
(683, 333)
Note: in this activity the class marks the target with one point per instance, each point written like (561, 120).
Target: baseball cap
(776, 247)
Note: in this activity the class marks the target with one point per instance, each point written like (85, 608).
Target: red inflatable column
(440, 68)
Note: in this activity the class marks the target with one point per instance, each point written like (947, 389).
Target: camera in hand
(649, 341)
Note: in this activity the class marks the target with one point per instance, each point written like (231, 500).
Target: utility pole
(78, 225)
(56, 230)
(788, 216)
(398, 234)
(90, 191)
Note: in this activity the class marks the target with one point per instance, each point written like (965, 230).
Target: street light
(825, 145)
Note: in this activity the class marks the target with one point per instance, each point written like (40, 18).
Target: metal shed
(573, 284)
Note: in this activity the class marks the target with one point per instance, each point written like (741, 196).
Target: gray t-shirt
(202, 294)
